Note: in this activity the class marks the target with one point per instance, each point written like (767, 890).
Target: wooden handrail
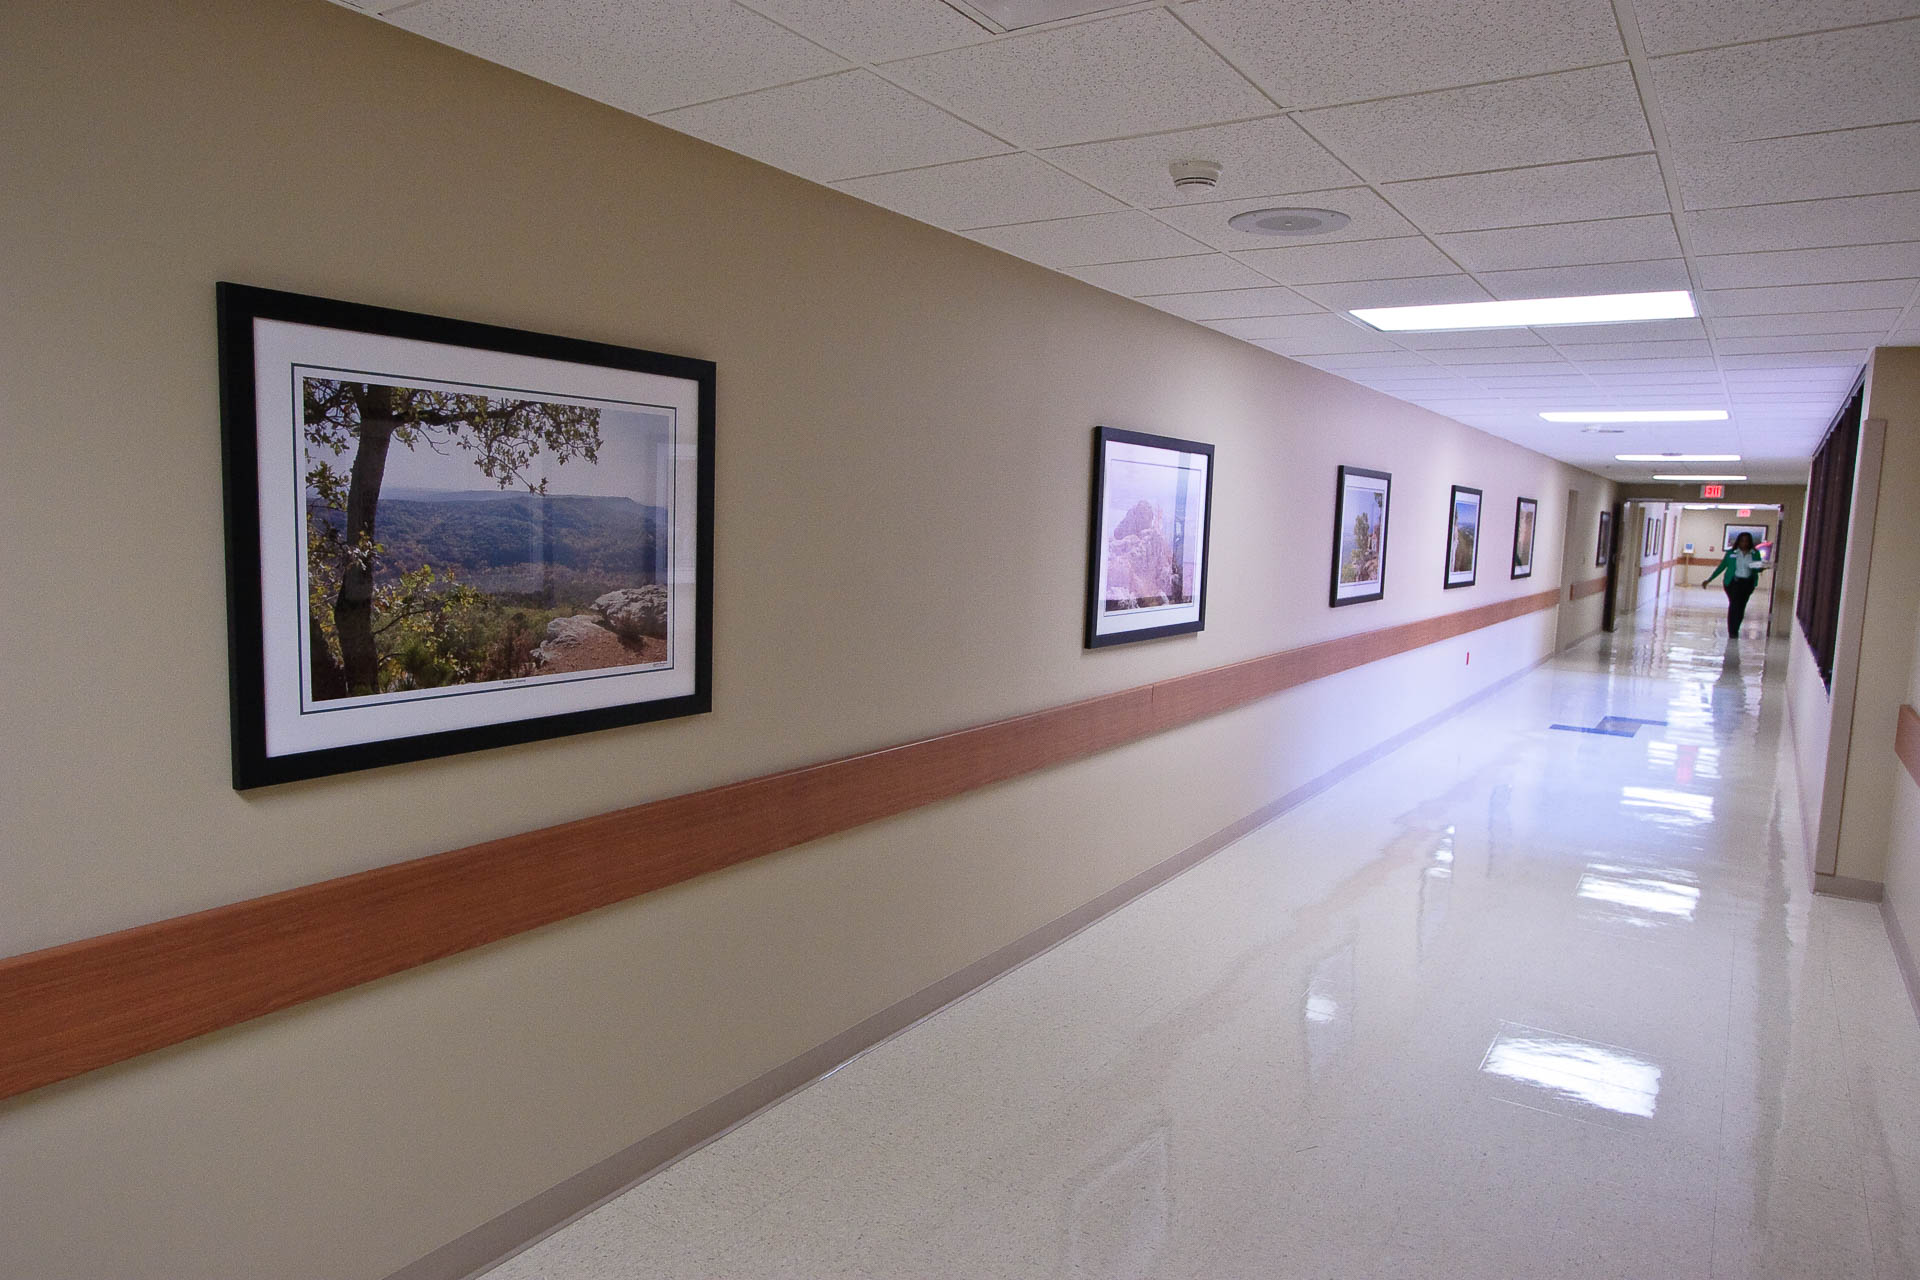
(74, 1008)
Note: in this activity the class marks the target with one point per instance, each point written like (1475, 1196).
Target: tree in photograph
(420, 610)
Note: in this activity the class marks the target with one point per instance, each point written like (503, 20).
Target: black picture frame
(1136, 470)
(1605, 545)
(620, 414)
(1348, 482)
(1450, 576)
(1526, 521)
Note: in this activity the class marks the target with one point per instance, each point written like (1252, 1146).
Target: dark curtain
(1824, 552)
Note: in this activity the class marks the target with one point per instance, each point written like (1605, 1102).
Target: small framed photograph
(1463, 537)
(1361, 499)
(1526, 515)
(1605, 545)
(1147, 553)
(444, 536)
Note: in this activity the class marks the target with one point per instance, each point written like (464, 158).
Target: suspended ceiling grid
(1763, 153)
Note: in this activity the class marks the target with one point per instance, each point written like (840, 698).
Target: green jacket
(1730, 564)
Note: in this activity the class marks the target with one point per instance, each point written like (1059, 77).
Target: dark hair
(1746, 538)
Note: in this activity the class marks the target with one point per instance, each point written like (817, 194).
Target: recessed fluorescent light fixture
(1603, 308)
(1636, 415)
(1676, 457)
(1707, 478)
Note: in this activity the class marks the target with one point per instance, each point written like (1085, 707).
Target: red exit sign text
(1713, 491)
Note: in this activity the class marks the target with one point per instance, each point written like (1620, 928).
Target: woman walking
(1742, 565)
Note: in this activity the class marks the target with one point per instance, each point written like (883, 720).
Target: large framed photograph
(1361, 499)
(1605, 545)
(1147, 554)
(1463, 537)
(1759, 532)
(1526, 515)
(445, 536)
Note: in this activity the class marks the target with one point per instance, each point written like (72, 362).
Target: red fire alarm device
(1713, 491)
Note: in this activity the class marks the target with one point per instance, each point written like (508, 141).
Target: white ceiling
(1763, 153)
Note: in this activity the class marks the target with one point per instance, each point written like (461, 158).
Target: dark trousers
(1738, 592)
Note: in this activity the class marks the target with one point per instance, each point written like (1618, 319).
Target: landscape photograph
(1362, 533)
(1463, 537)
(460, 537)
(1153, 520)
(1526, 512)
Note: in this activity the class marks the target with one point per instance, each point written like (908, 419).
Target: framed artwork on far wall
(1147, 546)
(1526, 515)
(1360, 502)
(1733, 531)
(1606, 540)
(1463, 537)
(446, 537)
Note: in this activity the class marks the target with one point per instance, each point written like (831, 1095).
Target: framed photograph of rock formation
(1360, 502)
(1526, 514)
(444, 536)
(1463, 537)
(1605, 545)
(1147, 553)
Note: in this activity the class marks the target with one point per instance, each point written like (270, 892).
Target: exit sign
(1713, 491)
(1744, 512)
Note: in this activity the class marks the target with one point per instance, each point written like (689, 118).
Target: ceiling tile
(982, 193)
(1565, 244)
(1414, 291)
(1523, 379)
(1357, 360)
(1799, 342)
(1564, 335)
(1136, 73)
(1806, 224)
(1307, 335)
(1361, 260)
(1256, 158)
(1568, 282)
(1836, 80)
(1809, 322)
(1314, 55)
(1571, 115)
(1581, 190)
(1542, 354)
(1131, 236)
(1592, 351)
(1705, 382)
(1458, 339)
(641, 57)
(1172, 275)
(1903, 338)
(1372, 219)
(1849, 162)
(1859, 296)
(1671, 26)
(1810, 266)
(838, 127)
(1528, 372)
(1225, 304)
(1823, 360)
(1689, 364)
(875, 30)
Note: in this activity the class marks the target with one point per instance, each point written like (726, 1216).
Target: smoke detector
(1288, 222)
(1193, 176)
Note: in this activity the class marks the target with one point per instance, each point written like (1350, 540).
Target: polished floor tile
(1566, 1008)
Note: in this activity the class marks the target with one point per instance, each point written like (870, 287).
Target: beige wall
(1891, 584)
(1903, 843)
(904, 422)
